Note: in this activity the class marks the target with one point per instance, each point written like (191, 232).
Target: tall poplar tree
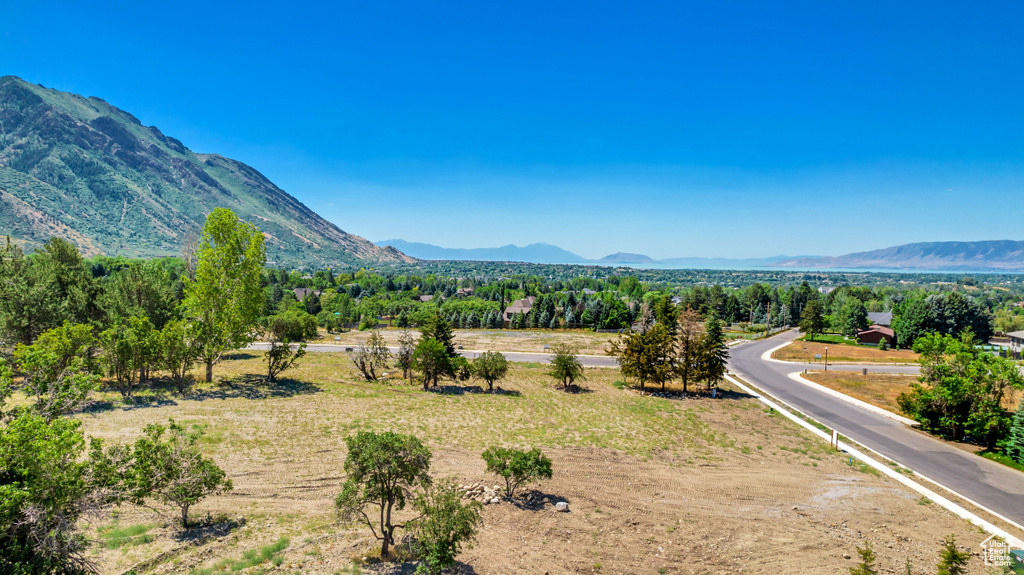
(225, 299)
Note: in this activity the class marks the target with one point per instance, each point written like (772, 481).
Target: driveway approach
(991, 485)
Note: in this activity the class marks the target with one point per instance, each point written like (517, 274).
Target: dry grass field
(587, 342)
(654, 485)
(878, 389)
(804, 351)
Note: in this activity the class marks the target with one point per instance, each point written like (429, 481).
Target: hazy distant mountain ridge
(84, 170)
(626, 258)
(994, 255)
(539, 253)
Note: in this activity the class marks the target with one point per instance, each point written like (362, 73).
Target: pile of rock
(482, 493)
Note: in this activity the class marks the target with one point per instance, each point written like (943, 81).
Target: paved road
(987, 483)
(516, 356)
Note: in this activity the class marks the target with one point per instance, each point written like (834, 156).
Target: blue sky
(721, 129)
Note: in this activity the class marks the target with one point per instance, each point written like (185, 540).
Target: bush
(446, 525)
(58, 369)
(490, 366)
(516, 467)
(372, 357)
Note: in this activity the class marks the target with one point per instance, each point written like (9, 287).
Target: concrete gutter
(796, 376)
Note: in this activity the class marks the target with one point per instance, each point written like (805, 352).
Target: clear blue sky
(728, 129)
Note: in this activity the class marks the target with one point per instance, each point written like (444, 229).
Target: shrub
(446, 525)
(516, 467)
(491, 366)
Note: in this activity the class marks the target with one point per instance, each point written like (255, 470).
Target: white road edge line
(796, 376)
(849, 449)
(767, 356)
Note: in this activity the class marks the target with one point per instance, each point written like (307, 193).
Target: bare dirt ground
(586, 342)
(654, 485)
(804, 351)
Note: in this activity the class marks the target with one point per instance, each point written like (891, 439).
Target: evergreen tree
(952, 561)
(867, 561)
(1015, 440)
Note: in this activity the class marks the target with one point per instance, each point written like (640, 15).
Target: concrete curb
(796, 376)
(950, 506)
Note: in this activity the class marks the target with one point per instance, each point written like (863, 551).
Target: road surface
(992, 485)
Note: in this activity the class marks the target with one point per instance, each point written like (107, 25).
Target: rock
(846, 556)
(495, 500)
(562, 506)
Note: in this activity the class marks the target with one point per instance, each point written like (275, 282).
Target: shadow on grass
(473, 389)
(255, 387)
(154, 398)
(677, 394)
(243, 354)
(574, 389)
(205, 528)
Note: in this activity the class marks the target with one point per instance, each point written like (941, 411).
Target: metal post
(826, 358)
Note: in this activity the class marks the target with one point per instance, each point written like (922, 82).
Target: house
(464, 292)
(425, 298)
(880, 317)
(522, 306)
(877, 333)
(301, 293)
(1016, 343)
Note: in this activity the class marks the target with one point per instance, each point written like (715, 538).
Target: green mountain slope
(84, 170)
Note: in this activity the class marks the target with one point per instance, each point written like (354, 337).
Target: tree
(490, 366)
(952, 561)
(852, 317)
(961, 389)
(129, 347)
(58, 369)
(139, 289)
(167, 464)
(282, 331)
(1015, 441)
(646, 355)
(446, 524)
(565, 366)
(372, 357)
(867, 561)
(406, 347)
(382, 471)
(516, 467)
(689, 334)
(431, 360)
(439, 329)
(225, 299)
(812, 320)
(177, 351)
(45, 488)
(713, 354)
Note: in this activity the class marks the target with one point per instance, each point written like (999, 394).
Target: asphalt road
(985, 482)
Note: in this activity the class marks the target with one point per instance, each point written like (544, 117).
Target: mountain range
(541, 253)
(82, 169)
(993, 256)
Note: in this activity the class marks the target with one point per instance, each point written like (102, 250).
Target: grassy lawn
(830, 338)
(1000, 457)
(804, 351)
(878, 389)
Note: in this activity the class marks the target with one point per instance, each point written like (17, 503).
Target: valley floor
(654, 485)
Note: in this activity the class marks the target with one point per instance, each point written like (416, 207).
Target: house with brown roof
(301, 293)
(464, 292)
(877, 333)
(522, 306)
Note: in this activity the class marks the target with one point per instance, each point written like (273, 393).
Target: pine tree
(1015, 441)
(952, 561)
(867, 561)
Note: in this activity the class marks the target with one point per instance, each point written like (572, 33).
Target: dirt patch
(805, 351)
(654, 485)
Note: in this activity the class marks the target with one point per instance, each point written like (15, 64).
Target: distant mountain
(999, 255)
(534, 253)
(91, 173)
(626, 258)
(723, 263)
